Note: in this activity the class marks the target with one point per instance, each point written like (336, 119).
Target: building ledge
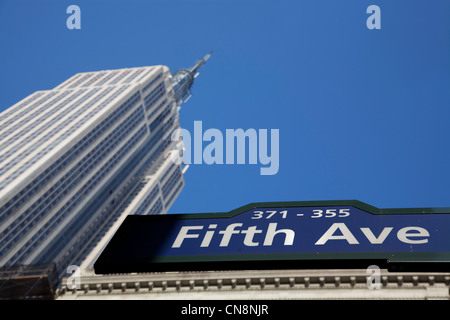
(261, 284)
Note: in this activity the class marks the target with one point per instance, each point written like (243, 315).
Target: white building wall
(55, 121)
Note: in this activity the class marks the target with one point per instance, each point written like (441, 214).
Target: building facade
(315, 284)
(75, 160)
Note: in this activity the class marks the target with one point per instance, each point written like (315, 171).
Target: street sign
(309, 234)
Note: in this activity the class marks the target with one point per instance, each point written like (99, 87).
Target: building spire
(183, 79)
(200, 62)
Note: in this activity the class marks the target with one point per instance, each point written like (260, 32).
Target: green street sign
(307, 234)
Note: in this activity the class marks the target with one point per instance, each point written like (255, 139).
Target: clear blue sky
(363, 114)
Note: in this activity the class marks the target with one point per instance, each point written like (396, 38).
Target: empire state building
(76, 159)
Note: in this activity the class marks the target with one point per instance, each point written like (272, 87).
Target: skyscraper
(76, 159)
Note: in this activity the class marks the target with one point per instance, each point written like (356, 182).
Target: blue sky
(362, 114)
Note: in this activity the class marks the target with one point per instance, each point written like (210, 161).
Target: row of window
(147, 164)
(10, 112)
(75, 201)
(90, 210)
(168, 124)
(52, 197)
(77, 119)
(156, 208)
(123, 74)
(25, 111)
(129, 75)
(145, 74)
(67, 158)
(97, 227)
(82, 79)
(38, 134)
(157, 109)
(152, 82)
(98, 75)
(170, 183)
(124, 175)
(68, 81)
(27, 124)
(174, 193)
(100, 78)
(133, 76)
(160, 118)
(149, 199)
(153, 97)
(168, 172)
(110, 75)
